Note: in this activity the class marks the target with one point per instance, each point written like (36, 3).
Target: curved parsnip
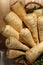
(32, 25)
(13, 20)
(34, 52)
(40, 28)
(9, 31)
(27, 37)
(38, 12)
(11, 54)
(13, 43)
(19, 9)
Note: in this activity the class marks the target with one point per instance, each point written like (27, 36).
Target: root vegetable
(27, 37)
(32, 26)
(40, 28)
(31, 55)
(34, 52)
(18, 9)
(13, 43)
(9, 31)
(21, 12)
(13, 20)
(11, 54)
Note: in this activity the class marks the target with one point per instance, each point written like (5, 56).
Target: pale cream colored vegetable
(32, 25)
(38, 12)
(40, 28)
(13, 43)
(9, 31)
(21, 12)
(27, 37)
(19, 9)
(11, 54)
(34, 52)
(13, 20)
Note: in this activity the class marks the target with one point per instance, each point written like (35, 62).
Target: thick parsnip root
(38, 12)
(11, 54)
(13, 43)
(32, 25)
(19, 9)
(27, 37)
(13, 20)
(34, 52)
(9, 31)
(40, 28)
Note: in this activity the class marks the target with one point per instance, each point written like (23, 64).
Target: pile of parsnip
(24, 32)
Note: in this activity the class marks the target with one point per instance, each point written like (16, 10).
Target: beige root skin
(19, 9)
(27, 37)
(32, 25)
(11, 54)
(9, 31)
(34, 16)
(34, 52)
(21, 39)
(38, 12)
(40, 27)
(13, 20)
(13, 43)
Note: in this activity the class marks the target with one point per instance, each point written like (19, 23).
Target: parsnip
(11, 54)
(13, 43)
(19, 9)
(40, 28)
(34, 52)
(27, 37)
(13, 20)
(32, 25)
(38, 12)
(21, 12)
(9, 31)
